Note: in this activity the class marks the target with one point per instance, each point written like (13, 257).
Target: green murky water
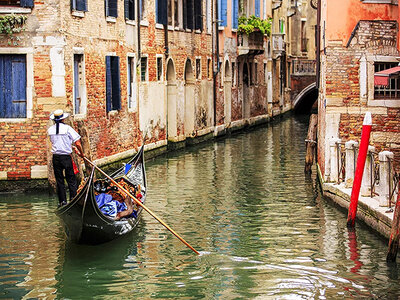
(262, 228)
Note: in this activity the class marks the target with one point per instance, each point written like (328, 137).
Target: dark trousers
(64, 163)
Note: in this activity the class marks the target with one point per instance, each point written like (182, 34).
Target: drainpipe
(218, 65)
(318, 46)
(138, 33)
(166, 48)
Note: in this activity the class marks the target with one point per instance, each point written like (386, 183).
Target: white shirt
(62, 142)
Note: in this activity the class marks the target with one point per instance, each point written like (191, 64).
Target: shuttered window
(222, 12)
(235, 13)
(21, 3)
(257, 8)
(111, 7)
(161, 12)
(113, 89)
(198, 15)
(12, 86)
(129, 7)
(79, 5)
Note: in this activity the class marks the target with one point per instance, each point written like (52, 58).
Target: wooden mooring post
(311, 142)
(394, 233)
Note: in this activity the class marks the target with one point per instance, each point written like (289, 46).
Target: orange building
(357, 39)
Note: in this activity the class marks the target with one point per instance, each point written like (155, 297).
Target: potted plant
(254, 24)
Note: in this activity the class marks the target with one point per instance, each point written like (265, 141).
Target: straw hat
(59, 114)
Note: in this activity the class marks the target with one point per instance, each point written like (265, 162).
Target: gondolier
(62, 137)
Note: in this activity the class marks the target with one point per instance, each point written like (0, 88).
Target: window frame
(146, 75)
(28, 51)
(370, 62)
(113, 83)
(131, 92)
(81, 84)
(159, 75)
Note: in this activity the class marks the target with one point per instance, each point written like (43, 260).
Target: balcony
(302, 67)
(278, 44)
(251, 44)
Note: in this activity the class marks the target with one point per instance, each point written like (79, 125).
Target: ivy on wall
(11, 24)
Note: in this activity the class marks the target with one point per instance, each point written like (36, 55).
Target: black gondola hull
(83, 221)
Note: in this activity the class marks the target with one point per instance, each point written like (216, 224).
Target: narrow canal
(262, 227)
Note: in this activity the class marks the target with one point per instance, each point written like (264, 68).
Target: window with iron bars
(393, 90)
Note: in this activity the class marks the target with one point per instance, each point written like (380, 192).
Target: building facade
(358, 39)
(172, 70)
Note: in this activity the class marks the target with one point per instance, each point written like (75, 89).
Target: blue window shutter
(111, 7)
(18, 73)
(223, 12)
(81, 5)
(257, 8)
(26, 3)
(3, 91)
(198, 15)
(235, 13)
(126, 9)
(161, 12)
(116, 87)
(108, 83)
(189, 14)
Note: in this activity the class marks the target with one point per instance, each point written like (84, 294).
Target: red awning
(382, 77)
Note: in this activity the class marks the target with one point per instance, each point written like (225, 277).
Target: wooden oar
(142, 205)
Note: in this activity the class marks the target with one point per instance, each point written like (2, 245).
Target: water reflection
(262, 227)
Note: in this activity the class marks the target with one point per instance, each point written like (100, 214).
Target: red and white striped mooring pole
(362, 155)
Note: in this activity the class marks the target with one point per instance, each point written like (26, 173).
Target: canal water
(261, 225)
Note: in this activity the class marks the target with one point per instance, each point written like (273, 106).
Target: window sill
(79, 116)
(15, 10)
(130, 22)
(197, 31)
(144, 23)
(159, 26)
(221, 27)
(113, 112)
(78, 13)
(111, 19)
(14, 120)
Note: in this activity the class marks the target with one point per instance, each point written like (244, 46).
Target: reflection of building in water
(31, 245)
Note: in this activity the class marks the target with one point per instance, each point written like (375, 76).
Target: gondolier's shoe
(62, 204)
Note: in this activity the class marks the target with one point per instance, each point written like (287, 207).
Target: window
(235, 13)
(12, 86)
(131, 83)
(142, 6)
(161, 11)
(303, 36)
(129, 9)
(192, 14)
(113, 93)
(21, 3)
(79, 5)
(233, 74)
(79, 84)
(143, 69)
(265, 73)
(208, 16)
(393, 90)
(209, 68)
(257, 8)
(255, 73)
(111, 8)
(222, 12)
(198, 68)
(159, 68)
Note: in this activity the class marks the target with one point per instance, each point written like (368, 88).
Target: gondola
(82, 219)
